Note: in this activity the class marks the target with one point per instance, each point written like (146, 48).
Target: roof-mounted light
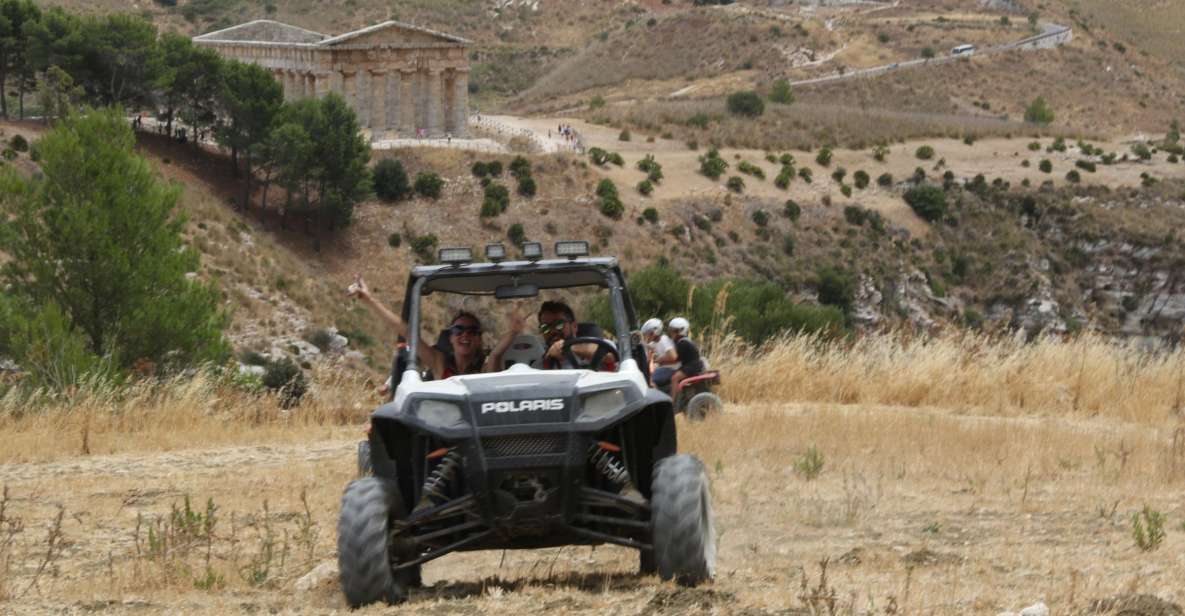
(532, 251)
(571, 249)
(456, 256)
(495, 252)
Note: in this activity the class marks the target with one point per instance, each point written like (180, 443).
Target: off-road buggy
(524, 458)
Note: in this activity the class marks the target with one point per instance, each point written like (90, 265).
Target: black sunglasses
(457, 330)
(556, 325)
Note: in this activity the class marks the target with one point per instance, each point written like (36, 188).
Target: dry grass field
(962, 476)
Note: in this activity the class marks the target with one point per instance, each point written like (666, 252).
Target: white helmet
(679, 325)
(652, 327)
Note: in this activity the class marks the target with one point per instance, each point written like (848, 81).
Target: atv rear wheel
(364, 545)
(681, 516)
(704, 404)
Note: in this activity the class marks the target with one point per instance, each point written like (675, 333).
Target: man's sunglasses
(457, 330)
(554, 326)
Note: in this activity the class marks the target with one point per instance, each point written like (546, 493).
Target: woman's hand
(358, 288)
(518, 322)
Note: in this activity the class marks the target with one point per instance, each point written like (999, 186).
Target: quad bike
(694, 396)
(523, 458)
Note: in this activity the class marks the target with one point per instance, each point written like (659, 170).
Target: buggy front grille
(524, 445)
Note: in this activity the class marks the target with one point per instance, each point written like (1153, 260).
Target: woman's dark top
(690, 362)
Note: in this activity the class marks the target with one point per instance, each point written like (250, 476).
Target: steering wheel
(604, 348)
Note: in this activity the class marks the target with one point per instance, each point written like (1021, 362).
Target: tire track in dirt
(157, 465)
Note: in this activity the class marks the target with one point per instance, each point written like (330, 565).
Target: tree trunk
(169, 122)
(20, 99)
(4, 91)
(247, 182)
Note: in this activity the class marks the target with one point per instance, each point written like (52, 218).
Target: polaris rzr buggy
(524, 458)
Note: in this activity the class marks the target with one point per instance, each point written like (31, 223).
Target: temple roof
(387, 32)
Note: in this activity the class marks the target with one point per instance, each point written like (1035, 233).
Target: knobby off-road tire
(681, 516)
(704, 404)
(364, 550)
(364, 467)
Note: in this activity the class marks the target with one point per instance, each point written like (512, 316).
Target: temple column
(350, 89)
(407, 103)
(460, 103)
(435, 101)
(394, 87)
(378, 102)
(363, 97)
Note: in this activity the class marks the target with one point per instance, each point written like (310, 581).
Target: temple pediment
(264, 31)
(393, 33)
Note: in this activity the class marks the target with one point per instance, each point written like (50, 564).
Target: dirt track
(928, 511)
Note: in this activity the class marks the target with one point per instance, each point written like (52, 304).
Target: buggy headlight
(440, 414)
(601, 404)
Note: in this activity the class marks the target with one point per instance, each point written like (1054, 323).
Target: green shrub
(711, 165)
(527, 186)
(860, 179)
(496, 200)
(1058, 145)
(810, 464)
(788, 245)
(394, 240)
(1035, 146)
(927, 201)
(1142, 151)
(286, 380)
(791, 210)
(598, 156)
(781, 92)
(736, 184)
(785, 176)
(836, 287)
(495, 168)
(425, 247)
(699, 120)
(746, 104)
(9, 154)
(805, 174)
(1046, 166)
(1039, 112)
(520, 167)
(606, 188)
(650, 215)
(919, 175)
(645, 187)
(839, 174)
(750, 169)
(1073, 176)
(824, 157)
(516, 234)
(479, 169)
(19, 143)
(616, 159)
(924, 152)
(429, 185)
(845, 190)
(612, 207)
(928, 53)
(625, 135)
(855, 215)
(596, 102)
(390, 180)
(885, 180)
(760, 218)
(969, 139)
(1148, 529)
(1086, 165)
(701, 223)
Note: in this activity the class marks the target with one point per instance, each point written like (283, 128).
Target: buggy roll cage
(468, 279)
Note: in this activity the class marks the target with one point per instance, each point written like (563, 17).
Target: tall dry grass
(182, 412)
(1085, 376)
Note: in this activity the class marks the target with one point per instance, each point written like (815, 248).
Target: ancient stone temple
(402, 80)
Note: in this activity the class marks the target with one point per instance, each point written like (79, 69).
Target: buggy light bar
(532, 251)
(495, 252)
(571, 249)
(456, 256)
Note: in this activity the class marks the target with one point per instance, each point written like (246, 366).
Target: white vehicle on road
(963, 50)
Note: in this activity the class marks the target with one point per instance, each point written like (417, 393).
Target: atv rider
(690, 362)
(664, 360)
(467, 355)
(557, 323)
